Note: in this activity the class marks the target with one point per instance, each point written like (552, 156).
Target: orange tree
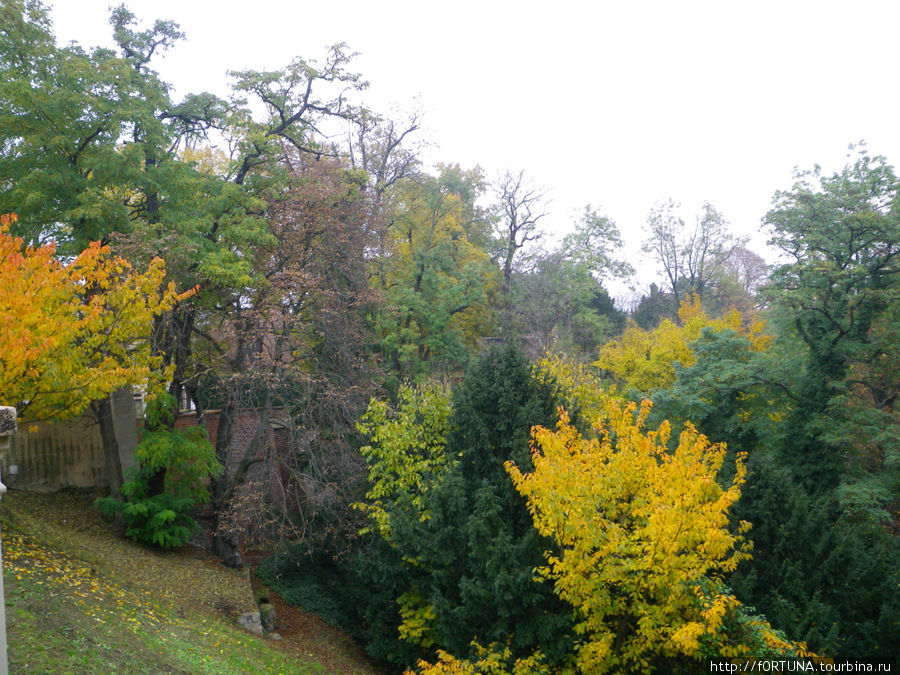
(73, 333)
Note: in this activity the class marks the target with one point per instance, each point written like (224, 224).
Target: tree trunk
(227, 547)
(103, 411)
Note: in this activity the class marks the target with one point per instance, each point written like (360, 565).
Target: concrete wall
(55, 455)
(69, 453)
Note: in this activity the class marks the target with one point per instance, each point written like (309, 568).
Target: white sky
(618, 104)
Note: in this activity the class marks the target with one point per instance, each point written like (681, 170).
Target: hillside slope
(81, 599)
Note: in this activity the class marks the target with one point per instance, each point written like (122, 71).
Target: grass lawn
(81, 599)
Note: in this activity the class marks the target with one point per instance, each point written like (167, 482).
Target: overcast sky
(618, 104)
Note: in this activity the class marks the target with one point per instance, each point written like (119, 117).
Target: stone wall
(69, 454)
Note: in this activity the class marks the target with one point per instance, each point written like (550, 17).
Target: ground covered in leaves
(82, 599)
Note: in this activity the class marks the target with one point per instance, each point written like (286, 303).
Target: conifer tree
(466, 572)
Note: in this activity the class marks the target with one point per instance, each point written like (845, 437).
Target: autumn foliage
(642, 530)
(643, 361)
(72, 333)
(407, 455)
(336, 274)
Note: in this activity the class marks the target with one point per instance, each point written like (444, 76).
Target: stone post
(7, 429)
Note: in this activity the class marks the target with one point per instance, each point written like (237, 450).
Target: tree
(838, 294)
(73, 333)
(594, 244)
(743, 275)
(406, 453)
(105, 159)
(825, 577)
(641, 361)
(293, 346)
(170, 482)
(643, 533)
(103, 152)
(562, 304)
(407, 458)
(520, 210)
(560, 298)
(730, 390)
(437, 276)
(651, 308)
(378, 149)
(458, 564)
(691, 259)
(479, 546)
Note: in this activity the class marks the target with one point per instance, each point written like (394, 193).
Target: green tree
(727, 392)
(437, 276)
(407, 458)
(560, 298)
(825, 577)
(95, 148)
(458, 561)
(406, 453)
(169, 484)
(479, 547)
(838, 295)
(561, 304)
(652, 307)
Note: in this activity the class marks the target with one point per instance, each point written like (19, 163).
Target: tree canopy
(73, 333)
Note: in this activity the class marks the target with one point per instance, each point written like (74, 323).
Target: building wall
(245, 426)
(69, 453)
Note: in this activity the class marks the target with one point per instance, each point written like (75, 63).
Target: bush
(169, 483)
(161, 520)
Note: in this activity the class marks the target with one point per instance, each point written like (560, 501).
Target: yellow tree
(73, 333)
(644, 361)
(492, 660)
(644, 537)
(406, 453)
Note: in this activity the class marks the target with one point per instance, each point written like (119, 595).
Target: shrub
(169, 483)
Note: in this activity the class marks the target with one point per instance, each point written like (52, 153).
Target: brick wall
(245, 426)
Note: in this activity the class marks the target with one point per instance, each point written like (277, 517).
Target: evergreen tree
(480, 543)
(816, 573)
(460, 568)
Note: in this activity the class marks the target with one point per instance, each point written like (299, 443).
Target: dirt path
(305, 633)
